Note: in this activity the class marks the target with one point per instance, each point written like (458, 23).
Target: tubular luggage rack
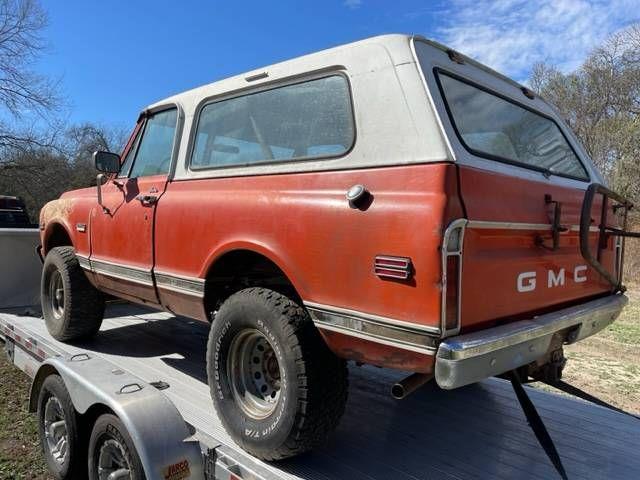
(605, 231)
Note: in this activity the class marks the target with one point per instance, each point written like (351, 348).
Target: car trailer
(148, 368)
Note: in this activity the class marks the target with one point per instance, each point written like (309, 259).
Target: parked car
(391, 202)
(13, 213)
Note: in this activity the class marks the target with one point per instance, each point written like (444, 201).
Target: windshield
(493, 127)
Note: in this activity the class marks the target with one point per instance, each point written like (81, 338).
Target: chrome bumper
(472, 357)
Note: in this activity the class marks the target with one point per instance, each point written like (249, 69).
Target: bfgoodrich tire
(58, 431)
(73, 309)
(277, 388)
(111, 450)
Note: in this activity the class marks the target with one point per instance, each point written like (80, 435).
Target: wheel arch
(44, 372)
(243, 264)
(56, 234)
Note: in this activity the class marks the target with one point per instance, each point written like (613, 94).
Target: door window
(151, 152)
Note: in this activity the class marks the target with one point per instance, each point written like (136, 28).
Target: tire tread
(322, 377)
(84, 304)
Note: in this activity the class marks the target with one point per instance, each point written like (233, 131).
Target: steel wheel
(254, 373)
(112, 462)
(55, 430)
(56, 294)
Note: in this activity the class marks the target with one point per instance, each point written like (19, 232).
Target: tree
(39, 174)
(601, 103)
(84, 139)
(26, 98)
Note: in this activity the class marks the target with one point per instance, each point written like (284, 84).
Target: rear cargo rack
(605, 232)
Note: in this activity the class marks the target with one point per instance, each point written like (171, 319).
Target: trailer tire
(62, 448)
(111, 447)
(300, 387)
(73, 309)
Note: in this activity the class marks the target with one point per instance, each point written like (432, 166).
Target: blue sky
(114, 57)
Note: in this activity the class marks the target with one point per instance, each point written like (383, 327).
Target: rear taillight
(452, 247)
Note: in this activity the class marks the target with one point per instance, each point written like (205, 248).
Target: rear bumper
(472, 357)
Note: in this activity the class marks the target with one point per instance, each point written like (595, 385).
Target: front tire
(73, 309)
(276, 386)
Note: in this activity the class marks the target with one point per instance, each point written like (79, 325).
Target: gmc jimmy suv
(391, 202)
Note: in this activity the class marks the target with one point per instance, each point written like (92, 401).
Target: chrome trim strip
(122, 272)
(369, 317)
(84, 262)
(460, 223)
(590, 317)
(180, 284)
(395, 336)
(489, 225)
(576, 228)
(377, 339)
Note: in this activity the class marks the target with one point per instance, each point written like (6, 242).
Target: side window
(153, 148)
(128, 160)
(299, 121)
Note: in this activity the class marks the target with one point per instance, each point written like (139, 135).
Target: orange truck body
(374, 279)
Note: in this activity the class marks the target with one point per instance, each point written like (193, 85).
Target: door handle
(147, 200)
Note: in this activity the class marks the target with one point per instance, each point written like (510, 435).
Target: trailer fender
(158, 430)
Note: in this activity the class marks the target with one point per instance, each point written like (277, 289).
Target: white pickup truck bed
(473, 432)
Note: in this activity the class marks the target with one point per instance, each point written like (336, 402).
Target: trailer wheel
(111, 451)
(73, 308)
(58, 430)
(276, 386)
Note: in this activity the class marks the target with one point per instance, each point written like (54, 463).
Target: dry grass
(20, 454)
(607, 365)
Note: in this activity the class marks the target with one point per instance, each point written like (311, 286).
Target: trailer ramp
(474, 432)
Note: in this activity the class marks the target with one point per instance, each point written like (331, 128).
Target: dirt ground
(606, 366)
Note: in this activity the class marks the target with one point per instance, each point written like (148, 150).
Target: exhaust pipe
(404, 387)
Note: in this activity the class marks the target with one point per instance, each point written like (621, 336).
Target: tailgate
(511, 268)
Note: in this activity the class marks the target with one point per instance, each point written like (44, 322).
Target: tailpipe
(405, 387)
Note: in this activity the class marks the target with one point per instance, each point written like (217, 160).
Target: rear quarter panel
(303, 223)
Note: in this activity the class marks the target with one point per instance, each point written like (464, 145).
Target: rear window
(296, 122)
(491, 126)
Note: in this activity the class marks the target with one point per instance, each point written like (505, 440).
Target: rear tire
(58, 431)
(73, 309)
(276, 386)
(111, 449)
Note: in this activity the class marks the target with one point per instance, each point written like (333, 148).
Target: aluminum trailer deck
(473, 432)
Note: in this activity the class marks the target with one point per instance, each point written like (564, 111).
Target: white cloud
(511, 35)
(352, 4)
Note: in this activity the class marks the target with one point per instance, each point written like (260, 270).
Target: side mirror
(106, 162)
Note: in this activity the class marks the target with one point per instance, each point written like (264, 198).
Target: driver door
(122, 250)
